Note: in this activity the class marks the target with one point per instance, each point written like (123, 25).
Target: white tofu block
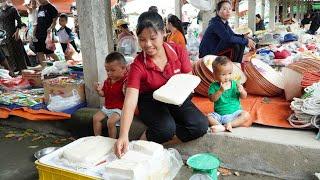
(90, 151)
(177, 89)
(147, 147)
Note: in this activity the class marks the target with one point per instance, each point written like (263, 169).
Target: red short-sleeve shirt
(113, 93)
(147, 77)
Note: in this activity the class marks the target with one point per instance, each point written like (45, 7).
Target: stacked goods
(262, 79)
(309, 78)
(89, 153)
(293, 75)
(306, 109)
(203, 69)
(64, 87)
(26, 98)
(34, 77)
(93, 158)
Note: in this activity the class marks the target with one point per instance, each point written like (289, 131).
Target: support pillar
(237, 18)
(272, 14)
(252, 15)
(177, 8)
(291, 8)
(277, 11)
(263, 8)
(207, 15)
(96, 40)
(285, 9)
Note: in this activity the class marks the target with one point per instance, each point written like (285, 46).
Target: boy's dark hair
(220, 60)
(219, 5)
(115, 56)
(149, 19)
(64, 16)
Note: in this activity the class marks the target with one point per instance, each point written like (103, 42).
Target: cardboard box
(64, 90)
(34, 77)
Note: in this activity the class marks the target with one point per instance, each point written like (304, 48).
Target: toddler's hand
(97, 86)
(240, 87)
(224, 86)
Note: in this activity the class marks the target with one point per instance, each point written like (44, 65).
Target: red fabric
(113, 93)
(281, 54)
(147, 77)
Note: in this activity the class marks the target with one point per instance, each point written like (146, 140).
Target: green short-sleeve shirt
(228, 102)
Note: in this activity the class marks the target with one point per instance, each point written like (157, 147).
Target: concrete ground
(19, 145)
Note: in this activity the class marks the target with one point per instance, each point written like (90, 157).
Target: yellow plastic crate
(53, 173)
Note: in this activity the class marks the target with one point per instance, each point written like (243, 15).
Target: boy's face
(223, 72)
(115, 70)
(62, 22)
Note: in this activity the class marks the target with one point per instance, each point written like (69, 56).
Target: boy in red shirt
(113, 91)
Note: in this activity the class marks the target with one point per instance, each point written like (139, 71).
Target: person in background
(259, 23)
(5, 64)
(306, 20)
(65, 34)
(151, 69)
(112, 91)
(32, 9)
(127, 41)
(46, 21)
(219, 37)
(315, 24)
(12, 47)
(176, 34)
(225, 94)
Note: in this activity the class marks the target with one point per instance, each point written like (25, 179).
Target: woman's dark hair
(258, 16)
(176, 22)
(149, 19)
(219, 5)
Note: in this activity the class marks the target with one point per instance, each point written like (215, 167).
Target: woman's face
(225, 11)
(151, 41)
(257, 20)
(169, 26)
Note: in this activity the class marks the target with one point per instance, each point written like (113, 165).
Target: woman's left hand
(16, 35)
(240, 87)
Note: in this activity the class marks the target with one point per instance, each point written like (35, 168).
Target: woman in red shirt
(151, 69)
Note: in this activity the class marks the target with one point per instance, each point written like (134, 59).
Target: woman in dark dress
(12, 46)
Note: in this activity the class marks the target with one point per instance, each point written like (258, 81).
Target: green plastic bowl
(207, 163)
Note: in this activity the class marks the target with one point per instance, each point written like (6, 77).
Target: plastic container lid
(204, 162)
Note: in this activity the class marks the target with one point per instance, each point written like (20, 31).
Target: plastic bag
(50, 43)
(17, 83)
(4, 74)
(128, 46)
(58, 67)
(59, 103)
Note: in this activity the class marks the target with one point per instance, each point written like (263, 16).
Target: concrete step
(282, 153)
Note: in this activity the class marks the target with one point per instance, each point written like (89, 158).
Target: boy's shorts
(224, 119)
(109, 112)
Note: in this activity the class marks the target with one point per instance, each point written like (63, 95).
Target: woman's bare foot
(217, 128)
(229, 127)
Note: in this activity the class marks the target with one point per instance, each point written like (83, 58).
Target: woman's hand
(251, 44)
(121, 146)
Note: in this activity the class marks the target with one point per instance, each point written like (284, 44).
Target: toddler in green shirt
(225, 94)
